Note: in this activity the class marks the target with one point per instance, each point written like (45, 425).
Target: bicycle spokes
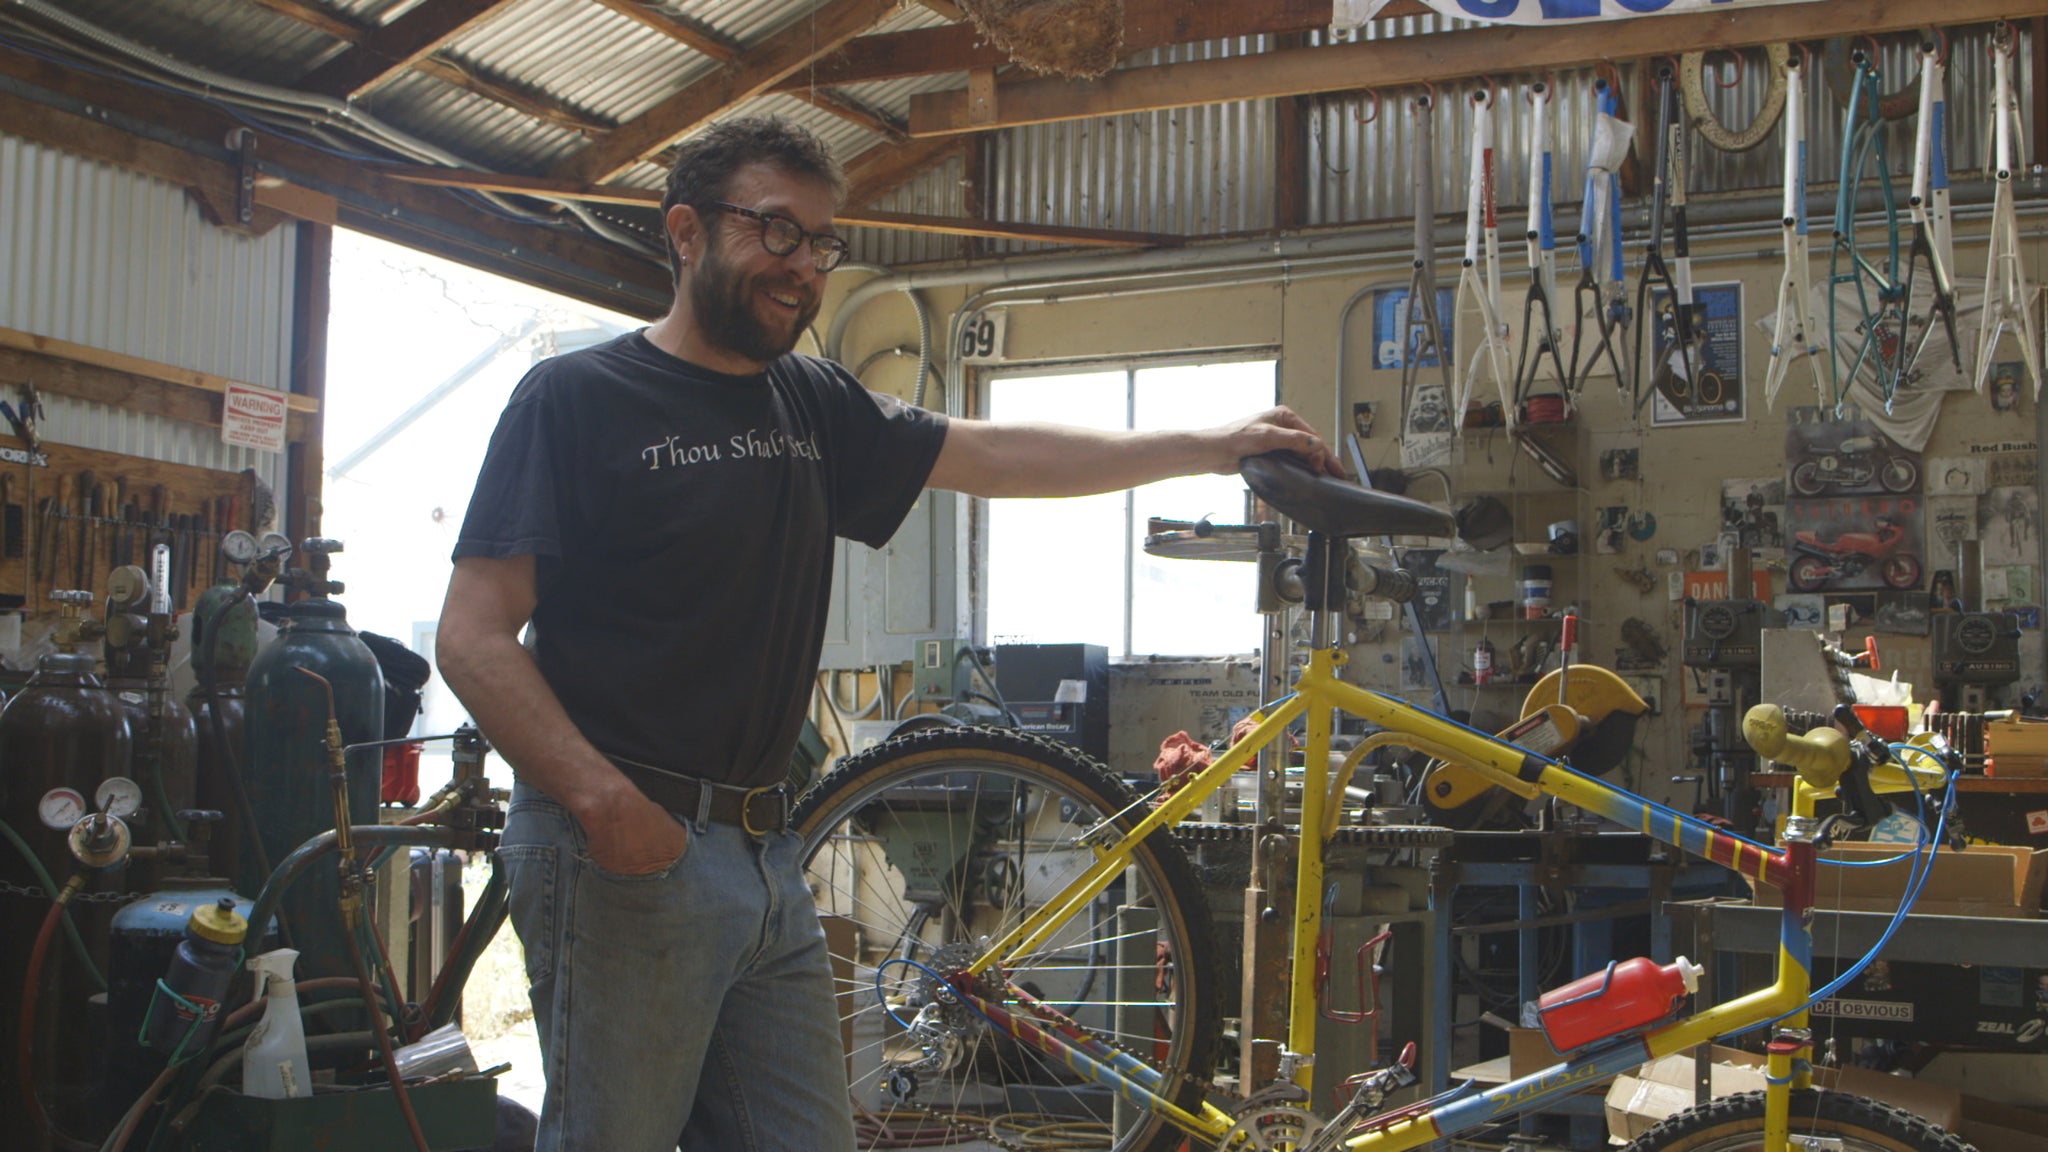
(2008, 298)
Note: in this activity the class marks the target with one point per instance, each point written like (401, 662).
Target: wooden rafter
(553, 186)
(700, 37)
(1147, 24)
(886, 167)
(393, 47)
(1437, 58)
(1004, 230)
(781, 54)
(447, 69)
(852, 111)
(317, 185)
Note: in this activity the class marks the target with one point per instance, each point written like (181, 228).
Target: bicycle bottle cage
(1338, 508)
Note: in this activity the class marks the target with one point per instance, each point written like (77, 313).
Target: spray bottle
(274, 1060)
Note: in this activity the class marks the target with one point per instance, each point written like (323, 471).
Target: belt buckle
(747, 810)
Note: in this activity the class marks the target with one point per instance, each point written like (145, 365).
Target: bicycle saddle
(1338, 508)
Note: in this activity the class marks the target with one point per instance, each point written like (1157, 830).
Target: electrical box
(886, 600)
(1724, 634)
(931, 670)
(1058, 690)
(1976, 647)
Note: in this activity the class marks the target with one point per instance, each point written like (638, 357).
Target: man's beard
(723, 301)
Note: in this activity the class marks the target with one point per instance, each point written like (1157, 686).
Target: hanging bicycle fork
(1542, 241)
(2008, 298)
(1673, 281)
(1795, 328)
(1599, 243)
(1423, 336)
(1482, 284)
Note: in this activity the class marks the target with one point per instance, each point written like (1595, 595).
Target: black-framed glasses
(780, 236)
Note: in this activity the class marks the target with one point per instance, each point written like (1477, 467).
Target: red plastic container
(1888, 721)
(401, 775)
(1626, 995)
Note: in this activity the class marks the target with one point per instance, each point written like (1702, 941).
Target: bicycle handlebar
(1820, 756)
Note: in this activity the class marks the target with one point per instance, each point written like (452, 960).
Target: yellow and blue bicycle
(1018, 936)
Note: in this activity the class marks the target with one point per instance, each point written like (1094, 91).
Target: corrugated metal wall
(100, 256)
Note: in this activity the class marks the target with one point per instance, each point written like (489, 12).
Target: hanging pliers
(1932, 240)
(1542, 241)
(1423, 336)
(1599, 243)
(1482, 282)
(1668, 187)
(2008, 298)
(1796, 327)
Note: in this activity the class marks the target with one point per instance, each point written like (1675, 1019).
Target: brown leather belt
(757, 811)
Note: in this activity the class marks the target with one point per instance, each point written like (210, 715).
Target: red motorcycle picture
(1820, 563)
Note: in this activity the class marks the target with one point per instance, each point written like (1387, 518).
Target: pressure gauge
(118, 796)
(1976, 634)
(238, 547)
(60, 808)
(128, 587)
(1717, 621)
(276, 542)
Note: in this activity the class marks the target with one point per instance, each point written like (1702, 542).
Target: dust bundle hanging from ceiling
(1074, 38)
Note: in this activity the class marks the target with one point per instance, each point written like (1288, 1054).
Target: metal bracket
(242, 142)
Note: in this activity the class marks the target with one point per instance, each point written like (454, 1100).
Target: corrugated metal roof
(585, 55)
(233, 36)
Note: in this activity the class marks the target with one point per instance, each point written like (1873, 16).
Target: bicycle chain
(35, 893)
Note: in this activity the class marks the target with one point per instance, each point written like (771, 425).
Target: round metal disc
(239, 547)
(118, 796)
(60, 808)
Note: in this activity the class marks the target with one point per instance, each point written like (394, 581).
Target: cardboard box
(1664, 1088)
(1529, 1052)
(1981, 880)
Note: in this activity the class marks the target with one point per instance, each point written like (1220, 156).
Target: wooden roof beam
(1438, 58)
(701, 37)
(886, 167)
(780, 55)
(392, 48)
(853, 112)
(1005, 230)
(1147, 24)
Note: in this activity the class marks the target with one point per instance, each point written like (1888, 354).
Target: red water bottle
(1629, 994)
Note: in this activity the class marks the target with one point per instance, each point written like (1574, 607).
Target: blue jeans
(688, 1007)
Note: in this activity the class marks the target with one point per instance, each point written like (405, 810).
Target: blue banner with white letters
(1350, 13)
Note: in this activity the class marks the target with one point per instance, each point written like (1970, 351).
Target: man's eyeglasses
(780, 236)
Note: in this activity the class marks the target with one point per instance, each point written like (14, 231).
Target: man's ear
(685, 227)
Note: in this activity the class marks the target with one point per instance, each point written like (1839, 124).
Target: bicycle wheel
(1834, 1120)
(930, 845)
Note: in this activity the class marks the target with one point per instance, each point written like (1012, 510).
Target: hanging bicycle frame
(1933, 242)
(1599, 242)
(1542, 246)
(1423, 334)
(2008, 298)
(1676, 277)
(1479, 272)
(1796, 326)
(1862, 144)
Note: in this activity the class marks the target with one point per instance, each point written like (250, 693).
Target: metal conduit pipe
(324, 109)
(836, 334)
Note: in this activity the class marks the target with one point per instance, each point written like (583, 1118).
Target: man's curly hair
(706, 162)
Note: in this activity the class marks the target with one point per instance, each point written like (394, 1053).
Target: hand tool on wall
(95, 532)
(12, 544)
(1542, 243)
(202, 547)
(1599, 243)
(1933, 243)
(2008, 298)
(1423, 335)
(1482, 283)
(81, 548)
(1863, 149)
(117, 537)
(1674, 372)
(1796, 327)
(50, 538)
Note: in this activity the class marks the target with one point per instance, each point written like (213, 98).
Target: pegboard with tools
(75, 514)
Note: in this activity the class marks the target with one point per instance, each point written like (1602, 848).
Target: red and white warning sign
(253, 418)
(2037, 822)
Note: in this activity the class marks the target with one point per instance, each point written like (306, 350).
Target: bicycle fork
(1795, 328)
(2008, 298)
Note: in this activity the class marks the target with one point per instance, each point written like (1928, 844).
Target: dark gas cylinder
(143, 939)
(165, 762)
(223, 644)
(284, 765)
(63, 731)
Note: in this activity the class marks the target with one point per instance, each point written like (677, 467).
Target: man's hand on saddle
(1278, 427)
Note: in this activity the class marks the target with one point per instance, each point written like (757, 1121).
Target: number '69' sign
(981, 337)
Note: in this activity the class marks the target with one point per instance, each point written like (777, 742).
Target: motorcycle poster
(1829, 455)
(1856, 543)
(1712, 391)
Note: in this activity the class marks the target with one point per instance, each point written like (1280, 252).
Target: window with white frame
(1075, 570)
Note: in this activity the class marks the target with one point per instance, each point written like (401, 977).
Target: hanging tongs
(1863, 140)
(1542, 243)
(1423, 336)
(1481, 282)
(1674, 281)
(1796, 325)
(2008, 298)
(1932, 240)
(1599, 243)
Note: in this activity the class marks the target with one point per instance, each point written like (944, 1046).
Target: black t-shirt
(682, 522)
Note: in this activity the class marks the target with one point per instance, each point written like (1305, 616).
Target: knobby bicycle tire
(931, 844)
(1736, 1124)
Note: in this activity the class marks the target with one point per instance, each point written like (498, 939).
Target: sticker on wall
(1666, 557)
(1390, 326)
(2029, 616)
(2009, 525)
(1802, 610)
(2007, 464)
(1901, 613)
(2003, 388)
(1612, 529)
(1713, 393)
(1362, 414)
(1709, 585)
(1956, 475)
(1414, 674)
(1642, 526)
(1434, 588)
(1621, 463)
(1755, 511)
(1951, 520)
